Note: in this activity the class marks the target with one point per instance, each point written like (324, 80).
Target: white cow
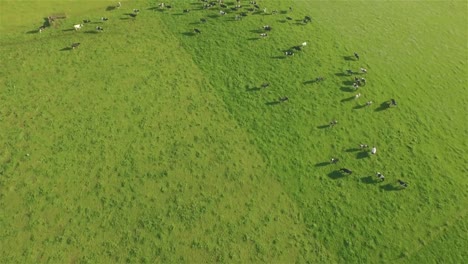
(78, 26)
(374, 150)
(304, 44)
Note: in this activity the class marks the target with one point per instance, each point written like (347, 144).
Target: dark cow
(402, 183)
(136, 10)
(289, 18)
(307, 19)
(197, 31)
(345, 170)
(334, 160)
(393, 102)
(267, 27)
(319, 79)
(350, 72)
(283, 99)
(134, 15)
(75, 45)
(356, 55)
(85, 21)
(265, 85)
(186, 10)
(99, 28)
(333, 123)
(203, 20)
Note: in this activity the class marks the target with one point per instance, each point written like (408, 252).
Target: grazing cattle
(290, 9)
(350, 72)
(356, 86)
(393, 102)
(99, 28)
(264, 10)
(304, 44)
(186, 10)
(119, 5)
(134, 15)
(368, 103)
(136, 10)
(41, 28)
(334, 160)
(307, 19)
(203, 20)
(168, 6)
(161, 5)
(363, 146)
(357, 96)
(333, 123)
(223, 5)
(78, 26)
(380, 176)
(345, 170)
(363, 81)
(373, 150)
(221, 12)
(267, 27)
(263, 35)
(265, 85)
(289, 53)
(86, 21)
(274, 12)
(75, 45)
(257, 7)
(356, 55)
(104, 18)
(298, 48)
(402, 183)
(244, 14)
(253, 2)
(363, 70)
(283, 99)
(289, 18)
(319, 79)
(196, 31)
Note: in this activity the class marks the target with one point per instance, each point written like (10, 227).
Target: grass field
(150, 143)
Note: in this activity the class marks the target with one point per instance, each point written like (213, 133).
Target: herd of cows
(240, 11)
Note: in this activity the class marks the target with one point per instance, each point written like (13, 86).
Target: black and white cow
(75, 45)
(380, 176)
(345, 170)
(196, 31)
(402, 183)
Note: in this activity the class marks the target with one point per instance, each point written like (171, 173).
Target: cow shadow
(189, 34)
(124, 18)
(322, 164)
(323, 126)
(352, 149)
(309, 82)
(252, 39)
(68, 30)
(383, 106)
(253, 89)
(359, 107)
(347, 89)
(347, 82)
(368, 180)
(283, 12)
(390, 187)
(91, 32)
(362, 155)
(281, 21)
(279, 57)
(194, 23)
(178, 14)
(66, 49)
(273, 103)
(155, 9)
(335, 175)
(258, 31)
(46, 22)
(347, 99)
(110, 8)
(213, 16)
(32, 32)
(341, 74)
(349, 58)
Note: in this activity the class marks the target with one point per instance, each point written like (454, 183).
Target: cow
(134, 15)
(265, 85)
(393, 102)
(119, 5)
(304, 44)
(363, 70)
(356, 86)
(289, 18)
(380, 176)
(402, 183)
(333, 123)
(203, 20)
(345, 170)
(373, 150)
(334, 160)
(289, 53)
(186, 10)
(267, 27)
(86, 21)
(136, 10)
(363, 81)
(196, 31)
(41, 28)
(221, 12)
(263, 35)
(350, 72)
(75, 45)
(78, 26)
(357, 96)
(368, 103)
(307, 19)
(99, 28)
(104, 18)
(363, 146)
(283, 99)
(161, 5)
(356, 55)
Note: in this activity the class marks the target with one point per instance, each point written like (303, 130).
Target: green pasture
(152, 144)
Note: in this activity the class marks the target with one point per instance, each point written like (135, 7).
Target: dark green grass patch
(150, 143)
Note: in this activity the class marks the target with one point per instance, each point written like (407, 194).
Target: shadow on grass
(66, 49)
(155, 9)
(32, 32)
(273, 103)
(178, 14)
(253, 89)
(279, 57)
(383, 106)
(213, 16)
(68, 30)
(352, 149)
(341, 74)
(91, 32)
(258, 31)
(390, 187)
(347, 82)
(281, 21)
(362, 155)
(335, 175)
(194, 23)
(322, 164)
(190, 34)
(323, 126)
(349, 58)
(347, 99)
(347, 89)
(359, 107)
(368, 180)
(252, 39)
(110, 8)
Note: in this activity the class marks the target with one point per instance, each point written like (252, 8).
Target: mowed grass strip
(121, 150)
(417, 58)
